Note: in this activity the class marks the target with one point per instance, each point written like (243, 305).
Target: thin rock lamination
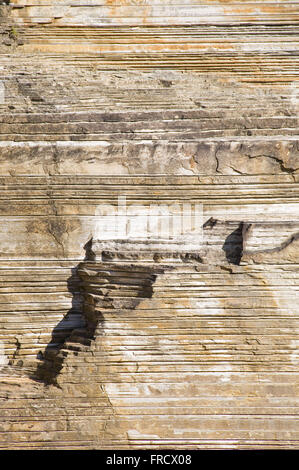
(106, 348)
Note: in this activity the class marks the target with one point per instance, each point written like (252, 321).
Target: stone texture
(117, 347)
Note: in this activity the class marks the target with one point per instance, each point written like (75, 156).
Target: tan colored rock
(129, 344)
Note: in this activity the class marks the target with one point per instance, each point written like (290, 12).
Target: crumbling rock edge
(108, 284)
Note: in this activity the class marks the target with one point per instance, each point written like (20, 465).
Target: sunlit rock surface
(129, 343)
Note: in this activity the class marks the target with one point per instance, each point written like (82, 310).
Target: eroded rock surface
(126, 345)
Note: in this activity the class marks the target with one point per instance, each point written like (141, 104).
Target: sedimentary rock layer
(192, 102)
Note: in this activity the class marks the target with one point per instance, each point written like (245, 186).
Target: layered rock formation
(113, 346)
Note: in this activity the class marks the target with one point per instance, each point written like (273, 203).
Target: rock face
(127, 343)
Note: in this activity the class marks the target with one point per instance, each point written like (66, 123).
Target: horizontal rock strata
(127, 343)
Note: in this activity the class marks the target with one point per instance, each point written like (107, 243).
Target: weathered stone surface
(139, 345)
